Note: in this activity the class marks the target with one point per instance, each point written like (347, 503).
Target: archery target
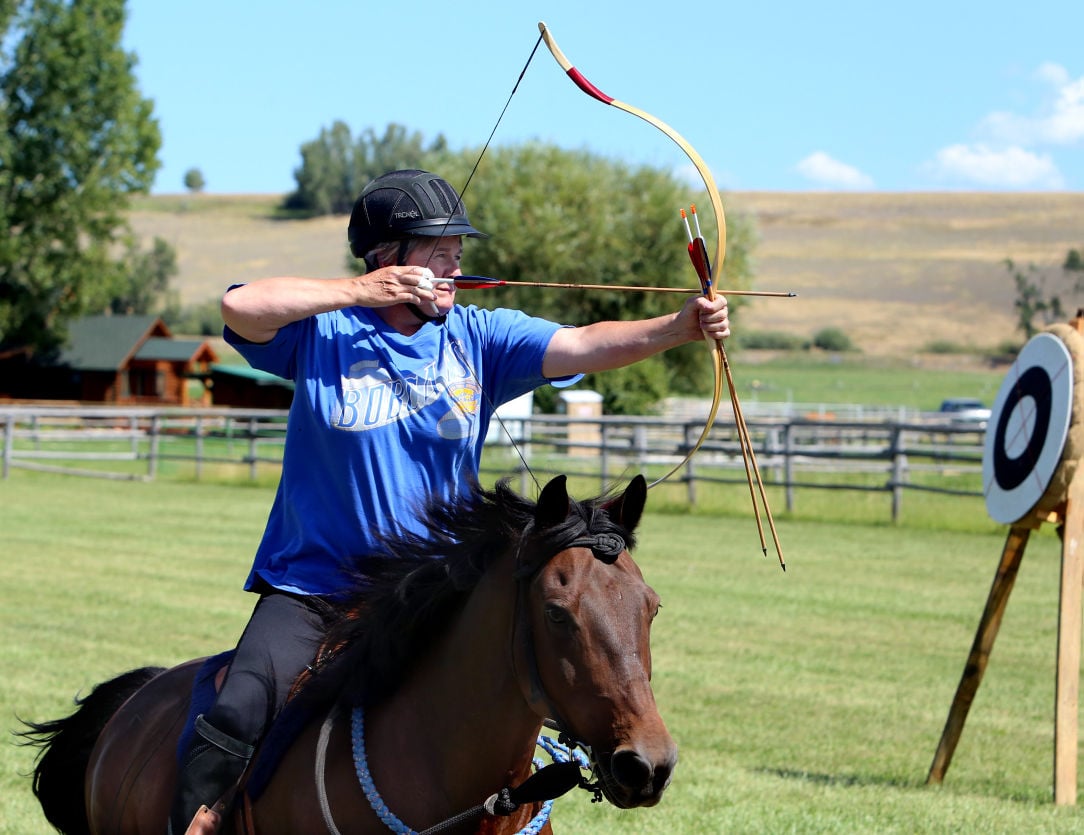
(1028, 425)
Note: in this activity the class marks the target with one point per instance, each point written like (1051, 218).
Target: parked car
(966, 410)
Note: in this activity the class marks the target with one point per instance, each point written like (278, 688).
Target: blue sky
(780, 96)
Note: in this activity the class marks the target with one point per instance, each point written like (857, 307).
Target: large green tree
(76, 140)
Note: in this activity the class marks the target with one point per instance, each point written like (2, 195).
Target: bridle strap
(605, 547)
(523, 634)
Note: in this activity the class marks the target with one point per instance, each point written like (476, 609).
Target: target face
(1027, 429)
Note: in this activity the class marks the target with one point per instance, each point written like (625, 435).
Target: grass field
(804, 702)
(863, 380)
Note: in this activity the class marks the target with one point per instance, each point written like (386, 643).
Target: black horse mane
(406, 594)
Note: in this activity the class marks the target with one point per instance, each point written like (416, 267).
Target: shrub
(769, 341)
(193, 180)
(945, 346)
(832, 339)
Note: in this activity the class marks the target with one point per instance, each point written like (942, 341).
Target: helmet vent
(445, 194)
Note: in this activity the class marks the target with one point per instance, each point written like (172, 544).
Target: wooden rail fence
(886, 454)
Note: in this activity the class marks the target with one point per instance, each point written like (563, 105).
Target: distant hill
(895, 272)
(898, 271)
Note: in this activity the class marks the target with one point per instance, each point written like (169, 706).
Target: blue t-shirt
(380, 422)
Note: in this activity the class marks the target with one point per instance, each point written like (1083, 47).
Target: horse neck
(460, 714)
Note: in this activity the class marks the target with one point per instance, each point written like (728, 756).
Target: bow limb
(718, 352)
(698, 162)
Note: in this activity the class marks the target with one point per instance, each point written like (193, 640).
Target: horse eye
(556, 614)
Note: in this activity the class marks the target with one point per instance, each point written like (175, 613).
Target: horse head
(583, 628)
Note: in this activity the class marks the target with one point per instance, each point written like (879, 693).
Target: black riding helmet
(406, 204)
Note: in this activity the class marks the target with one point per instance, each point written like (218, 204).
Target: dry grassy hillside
(223, 240)
(897, 271)
(894, 271)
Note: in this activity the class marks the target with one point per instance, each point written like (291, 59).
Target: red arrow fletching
(477, 282)
(698, 254)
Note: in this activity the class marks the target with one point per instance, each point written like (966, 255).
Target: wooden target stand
(1022, 461)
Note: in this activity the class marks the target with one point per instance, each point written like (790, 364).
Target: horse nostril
(631, 770)
(663, 773)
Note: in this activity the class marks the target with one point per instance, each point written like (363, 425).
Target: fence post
(152, 456)
(639, 445)
(788, 467)
(604, 458)
(199, 446)
(690, 470)
(771, 450)
(133, 428)
(252, 431)
(9, 443)
(899, 470)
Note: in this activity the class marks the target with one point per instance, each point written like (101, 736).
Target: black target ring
(1010, 473)
(1029, 423)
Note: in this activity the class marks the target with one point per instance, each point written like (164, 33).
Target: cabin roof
(107, 343)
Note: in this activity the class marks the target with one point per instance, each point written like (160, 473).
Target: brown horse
(445, 665)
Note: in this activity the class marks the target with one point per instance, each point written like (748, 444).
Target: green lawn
(804, 702)
(811, 378)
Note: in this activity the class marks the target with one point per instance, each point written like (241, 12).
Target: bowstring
(461, 355)
(458, 205)
(489, 139)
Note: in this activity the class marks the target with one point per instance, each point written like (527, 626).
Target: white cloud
(1006, 154)
(1010, 167)
(1059, 120)
(1065, 126)
(826, 171)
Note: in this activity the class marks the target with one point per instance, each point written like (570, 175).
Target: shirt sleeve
(517, 347)
(279, 356)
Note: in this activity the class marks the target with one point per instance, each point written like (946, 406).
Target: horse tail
(65, 746)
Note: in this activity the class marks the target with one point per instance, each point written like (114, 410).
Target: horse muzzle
(630, 778)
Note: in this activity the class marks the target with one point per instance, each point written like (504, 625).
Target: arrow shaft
(476, 282)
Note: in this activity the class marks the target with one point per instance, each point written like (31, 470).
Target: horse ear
(552, 507)
(628, 509)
